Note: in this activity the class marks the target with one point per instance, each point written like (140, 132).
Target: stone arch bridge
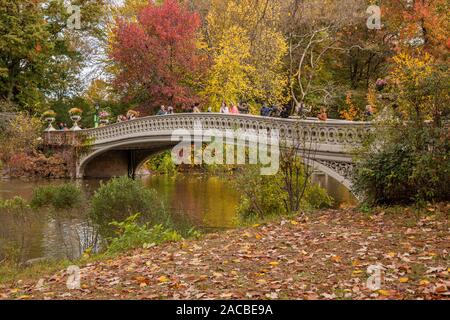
(119, 149)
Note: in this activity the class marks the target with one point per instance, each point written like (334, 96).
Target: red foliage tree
(427, 20)
(157, 55)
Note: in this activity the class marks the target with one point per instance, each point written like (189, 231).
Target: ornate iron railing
(332, 132)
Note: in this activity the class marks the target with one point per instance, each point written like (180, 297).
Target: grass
(12, 272)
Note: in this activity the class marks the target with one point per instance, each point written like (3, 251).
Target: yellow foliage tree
(99, 90)
(131, 8)
(228, 78)
(248, 50)
(410, 76)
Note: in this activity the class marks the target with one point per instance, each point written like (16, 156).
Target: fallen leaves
(424, 282)
(336, 259)
(163, 279)
(326, 257)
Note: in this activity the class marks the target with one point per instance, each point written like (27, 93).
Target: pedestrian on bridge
(234, 109)
(224, 108)
(162, 111)
(322, 114)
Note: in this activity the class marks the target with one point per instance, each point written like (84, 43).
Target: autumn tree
(247, 48)
(315, 31)
(40, 55)
(157, 56)
(421, 24)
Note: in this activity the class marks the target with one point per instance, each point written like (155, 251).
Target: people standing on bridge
(275, 112)
(286, 111)
(162, 111)
(196, 108)
(224, 108)
(322, 114)
(265, 110)
(369, 112)
(234, 109)
(243, 108)
(170, 110)
(131, 115)
(209, 110)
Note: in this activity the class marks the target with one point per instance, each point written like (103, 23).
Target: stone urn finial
(75, 116)
(49, 117)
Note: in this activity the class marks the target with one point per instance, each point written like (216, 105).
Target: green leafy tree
(41, 56)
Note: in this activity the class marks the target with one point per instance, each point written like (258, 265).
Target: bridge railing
(331, 132)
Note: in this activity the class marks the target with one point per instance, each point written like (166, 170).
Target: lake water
(208, 203)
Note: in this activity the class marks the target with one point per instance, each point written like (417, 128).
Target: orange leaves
(351, 112)
(385, 293)
(336, 259)
(403, 280)
(424, 282)
(142, 281)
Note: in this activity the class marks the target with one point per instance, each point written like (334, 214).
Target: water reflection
(340, 194)
(206, 202)
(69, 238)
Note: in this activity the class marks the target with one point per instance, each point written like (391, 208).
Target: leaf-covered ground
(325, 257)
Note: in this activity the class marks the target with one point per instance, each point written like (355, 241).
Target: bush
(410, 165)
(67, 196)
(316, 197)
(266, 196)
(16, 203)
(121, 198)
(260, 195)
(162, 164)
(60, 197)
(407, 158)
(132, 235)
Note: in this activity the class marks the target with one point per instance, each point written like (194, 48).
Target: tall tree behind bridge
(157, 55)
(247, 47)
(41, 56)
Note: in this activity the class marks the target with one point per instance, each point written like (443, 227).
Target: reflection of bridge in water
(119, 149)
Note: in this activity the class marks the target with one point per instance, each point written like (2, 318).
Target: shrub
(16, 204)
(131, 235)
(121, 198)
(21, 135)
(67, 196)
(162, 164)
(60, 197)
(42, 196)
(316, 197)
(410, 165)
(260, 195)
(266, 196)
(407, 158)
